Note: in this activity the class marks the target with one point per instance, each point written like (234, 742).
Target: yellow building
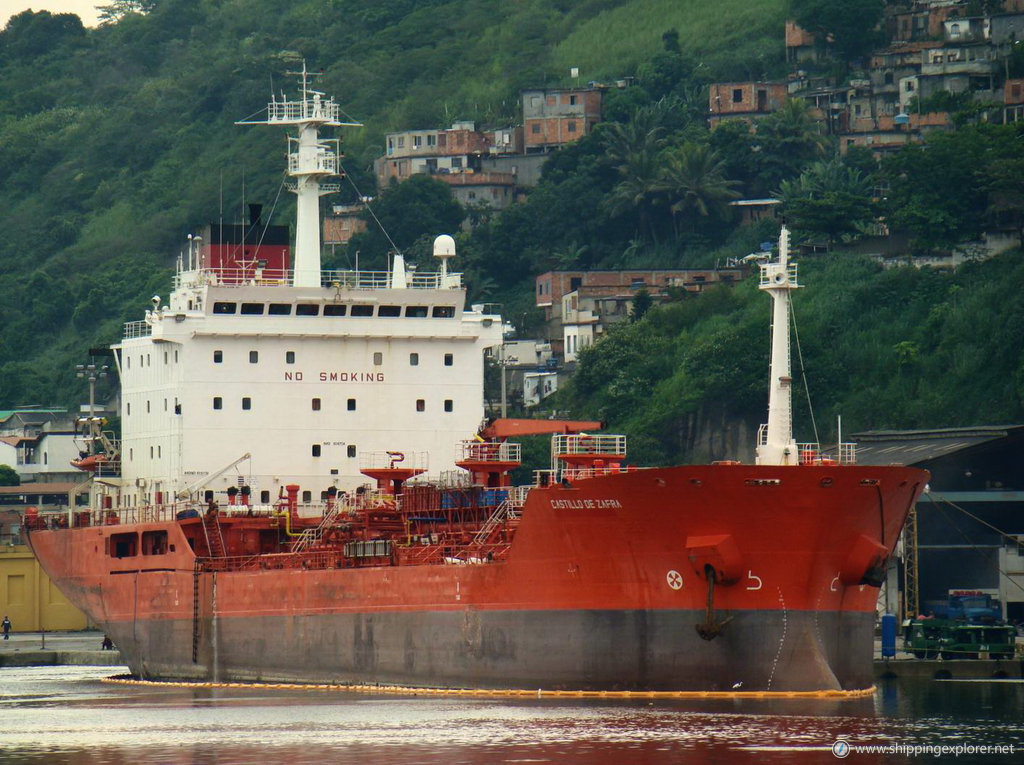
(29, 598)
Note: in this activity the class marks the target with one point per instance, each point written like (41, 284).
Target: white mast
(775, 440)
(309, 161)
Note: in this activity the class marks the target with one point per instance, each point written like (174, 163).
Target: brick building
(553, 118)
(744, 100)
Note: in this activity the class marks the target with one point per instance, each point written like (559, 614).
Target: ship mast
(775, 439)
(310, 160)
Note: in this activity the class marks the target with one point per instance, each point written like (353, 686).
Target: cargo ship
(302, 492)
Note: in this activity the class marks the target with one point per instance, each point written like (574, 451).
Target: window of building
(351, 450)
(417, 141)
(431, 140)
(289, 357)
(572, 100)
(228, 308)
(218, 402)
(415, 311)
(254, 357)
(378, 358)
(421, 405)
(535, 128)
(401, 142)
(448, 405)
(351, 404)
(362, 310)
(218, 357)
(335, 310)
(472, 195)
(279, 309)
(252, 309)
(246, 403)
(457, 162)
(414, 359)
(389, 311)
(737, 95)
(570, 126)
(449, 359)
(443, 312)
(316, 405)
(307, 309)
(316, 450)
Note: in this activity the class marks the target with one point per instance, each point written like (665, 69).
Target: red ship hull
(603, 587)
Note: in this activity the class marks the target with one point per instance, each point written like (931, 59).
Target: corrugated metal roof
(912, 447)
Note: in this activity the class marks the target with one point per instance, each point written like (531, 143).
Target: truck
(953, 639)
(971, 606)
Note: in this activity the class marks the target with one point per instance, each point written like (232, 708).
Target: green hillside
(115, 143)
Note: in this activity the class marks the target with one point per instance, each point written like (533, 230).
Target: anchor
(709, 629)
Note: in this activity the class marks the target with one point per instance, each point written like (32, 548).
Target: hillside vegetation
(117, 142)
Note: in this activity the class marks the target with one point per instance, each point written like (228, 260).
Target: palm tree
(693, 180)
(633, 149)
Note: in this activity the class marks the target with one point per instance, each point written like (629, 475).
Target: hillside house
(554, 118)
(744, 100)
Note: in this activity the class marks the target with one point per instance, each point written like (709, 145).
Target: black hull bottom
(570, 650)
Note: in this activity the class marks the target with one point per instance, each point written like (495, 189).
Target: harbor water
(70, 715)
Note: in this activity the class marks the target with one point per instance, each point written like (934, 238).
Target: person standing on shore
(6, 624)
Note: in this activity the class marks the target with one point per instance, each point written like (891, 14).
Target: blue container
(888, 636)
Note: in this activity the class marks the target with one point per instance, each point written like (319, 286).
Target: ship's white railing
(488, 451)
(584, 444)
(133, 329)
(393, 460)
(517, 496)
(769, 271)
(308, 109)
(811, 454)
(343, 279)
(323, 161)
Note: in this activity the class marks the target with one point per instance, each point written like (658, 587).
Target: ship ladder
(195, 612)
(502, 512)
(214, 537)
(310, 536)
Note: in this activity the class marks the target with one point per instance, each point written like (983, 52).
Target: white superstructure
(305, 371)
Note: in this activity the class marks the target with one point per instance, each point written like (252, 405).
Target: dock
(48, 649)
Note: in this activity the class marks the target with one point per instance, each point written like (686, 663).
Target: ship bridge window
(307, 496)
(289, 357)
(307, 309)
(264, 497)
(414, 359)
(246, 403)
(218, 357)
(443, 312)
(229, 308)
(335, 310)
(416, 312)
(316, 405)
(351, 404)
(252, 309)
(218, 402)
(279, 309)
(389, 311)
(254, 357)
(378, 358)
(362, 310)
(154, 542)
(421, 405)
(449, 359)
(123, 545)
(351, 450)
(448, 405)
(316, 451)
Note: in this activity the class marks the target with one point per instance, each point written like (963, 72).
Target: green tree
(828, 198)
(418, 207)
(693, 180)
(9, 476)
(788, 141)
(853, 24)
(642, 302)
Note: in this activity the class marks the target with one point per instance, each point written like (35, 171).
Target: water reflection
(66, 716)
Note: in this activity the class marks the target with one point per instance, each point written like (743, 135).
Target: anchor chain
(709, 629)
